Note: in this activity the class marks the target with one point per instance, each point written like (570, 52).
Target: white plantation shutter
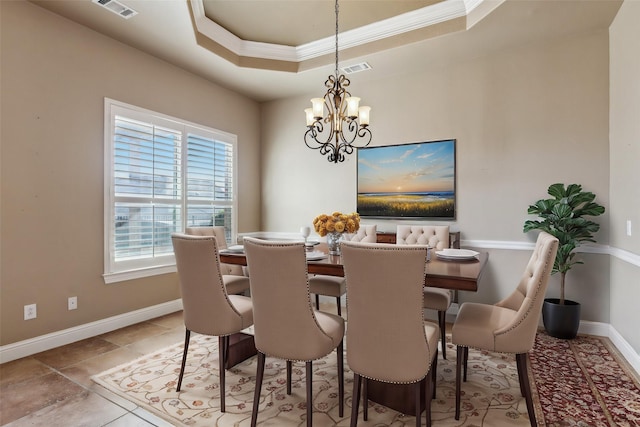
(209, 163)
(147, 189)
(163, 175)
(209, 182)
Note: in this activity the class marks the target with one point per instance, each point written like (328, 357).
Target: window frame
(117, 271)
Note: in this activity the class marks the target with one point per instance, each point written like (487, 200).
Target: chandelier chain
(337, 11)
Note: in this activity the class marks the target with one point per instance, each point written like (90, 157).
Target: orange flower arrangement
(337, 222)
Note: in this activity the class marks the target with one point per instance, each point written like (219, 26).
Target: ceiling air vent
(356, 68)
(116, 7)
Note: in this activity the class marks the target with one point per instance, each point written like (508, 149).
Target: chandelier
(335, 134)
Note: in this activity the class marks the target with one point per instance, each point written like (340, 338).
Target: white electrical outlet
(628, 227)
(30, 312)
(72, 303)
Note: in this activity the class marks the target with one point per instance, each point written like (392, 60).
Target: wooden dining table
(460, 275)
(457, 274)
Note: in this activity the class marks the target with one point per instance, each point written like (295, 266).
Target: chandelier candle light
(342, 118)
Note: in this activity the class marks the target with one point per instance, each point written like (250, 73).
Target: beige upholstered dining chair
(384, 308)
(510, 325)
(334, 286)
(286, 325)
(207, 308)
(436, 237)
(234, 278)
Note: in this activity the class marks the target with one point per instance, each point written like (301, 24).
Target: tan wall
(55, 75)
(625, 174)
(523, 119)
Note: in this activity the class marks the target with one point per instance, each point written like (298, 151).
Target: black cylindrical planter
(561, 320)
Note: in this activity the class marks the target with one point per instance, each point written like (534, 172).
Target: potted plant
(563, 217)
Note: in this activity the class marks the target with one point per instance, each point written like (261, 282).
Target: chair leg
(355, 399)
(339, 305)
(442, 322)
(365, 399)
(187, 335)
(340, 351)
(428, 396)
(466, 362)
(256, 395)
(459, 357)
(317, 302)
(223, 353)
(434, 371)
(309, 394)
(418, 402)
(520, 373)
(289, 369)
(522, 359)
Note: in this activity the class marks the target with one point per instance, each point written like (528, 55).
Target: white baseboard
(632, 357)
(594, 328)
(606, 330)
(67, 336)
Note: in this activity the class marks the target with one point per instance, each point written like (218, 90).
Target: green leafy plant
(563, 217)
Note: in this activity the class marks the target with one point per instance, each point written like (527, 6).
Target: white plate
(457, 254)
(236, 249)
(314, 256)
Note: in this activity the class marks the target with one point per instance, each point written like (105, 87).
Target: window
(162, 174)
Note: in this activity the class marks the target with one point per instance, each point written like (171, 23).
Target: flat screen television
(415, 180)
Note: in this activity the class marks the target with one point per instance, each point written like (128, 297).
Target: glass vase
(333, 241)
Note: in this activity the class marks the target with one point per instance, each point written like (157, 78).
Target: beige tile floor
(54, 388)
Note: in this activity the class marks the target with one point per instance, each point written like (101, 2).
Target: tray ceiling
(268, 49)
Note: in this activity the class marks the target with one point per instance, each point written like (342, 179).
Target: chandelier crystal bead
(336, 134)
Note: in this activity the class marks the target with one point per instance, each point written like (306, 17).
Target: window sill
(123, 276)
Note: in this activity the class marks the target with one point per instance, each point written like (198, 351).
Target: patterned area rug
(583, 382)
(491, 395)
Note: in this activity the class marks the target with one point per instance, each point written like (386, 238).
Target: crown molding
(421, 18)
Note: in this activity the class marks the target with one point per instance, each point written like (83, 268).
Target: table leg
(241, 347)
(400, 397)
